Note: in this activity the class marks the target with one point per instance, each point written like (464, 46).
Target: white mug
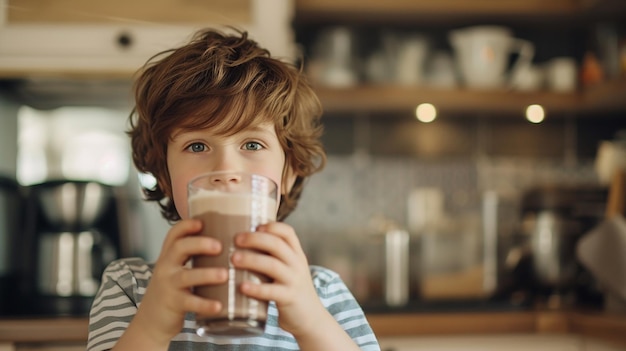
(482, 54)
(561, 74)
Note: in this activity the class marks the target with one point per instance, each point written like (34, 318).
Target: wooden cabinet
(114, 38)
(114, 11)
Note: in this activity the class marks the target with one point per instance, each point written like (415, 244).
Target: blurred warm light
(426, 112)
(535, 113)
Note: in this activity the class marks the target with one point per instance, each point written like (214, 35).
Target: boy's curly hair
(226, 82)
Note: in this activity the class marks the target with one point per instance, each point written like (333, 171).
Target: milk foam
(237, 204)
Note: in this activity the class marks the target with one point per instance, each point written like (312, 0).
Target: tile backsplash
(352, 190)
(376, 161)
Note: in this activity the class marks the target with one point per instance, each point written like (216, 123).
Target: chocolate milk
(224, 215)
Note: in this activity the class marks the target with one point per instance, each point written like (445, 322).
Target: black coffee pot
(72, 235)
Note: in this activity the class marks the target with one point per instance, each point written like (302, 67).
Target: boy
(222, 103)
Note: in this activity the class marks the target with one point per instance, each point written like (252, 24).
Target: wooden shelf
(397, 7)
(373, 10)
(607, 97)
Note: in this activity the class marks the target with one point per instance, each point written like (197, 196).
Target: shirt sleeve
(115, 303)
(342, 305)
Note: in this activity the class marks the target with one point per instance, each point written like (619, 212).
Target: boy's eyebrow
(251, 129)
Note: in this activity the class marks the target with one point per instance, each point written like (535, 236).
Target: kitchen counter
(599, 325)
(44, 330)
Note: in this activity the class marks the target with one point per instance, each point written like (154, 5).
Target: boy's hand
(168, 296)
(282, 259)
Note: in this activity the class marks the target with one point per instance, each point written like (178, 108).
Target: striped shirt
(124, 282)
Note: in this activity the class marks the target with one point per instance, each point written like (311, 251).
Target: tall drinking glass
(229, 203)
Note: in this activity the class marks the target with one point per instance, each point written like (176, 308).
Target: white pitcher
(483, 52)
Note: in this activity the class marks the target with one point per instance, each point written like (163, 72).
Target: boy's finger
(200, 305)
(283, 231)
(185, 247)
(183, 228)
(202, 276)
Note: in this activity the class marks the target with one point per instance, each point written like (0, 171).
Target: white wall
(8, 136)
(147, 227)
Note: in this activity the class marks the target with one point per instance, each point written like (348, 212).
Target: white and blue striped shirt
(124, 283)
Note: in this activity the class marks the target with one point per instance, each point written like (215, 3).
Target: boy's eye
(252, 145)
(196, 147)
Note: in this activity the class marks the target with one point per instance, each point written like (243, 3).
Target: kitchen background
(460, 186)
(452, 189)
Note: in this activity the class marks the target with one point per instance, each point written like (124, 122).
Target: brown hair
(228, 83)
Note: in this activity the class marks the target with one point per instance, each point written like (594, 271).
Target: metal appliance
(72, 232)
(543, 252)
(11, 204)
(385, 257)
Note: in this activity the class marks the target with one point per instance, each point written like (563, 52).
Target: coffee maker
(72, 232)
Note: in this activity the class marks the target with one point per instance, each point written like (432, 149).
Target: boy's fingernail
(240, 238)
(217, 246)
(217, 306)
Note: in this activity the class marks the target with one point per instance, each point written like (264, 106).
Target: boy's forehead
(262, 127)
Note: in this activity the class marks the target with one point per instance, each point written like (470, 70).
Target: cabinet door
(114, 38)
(111, 11)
